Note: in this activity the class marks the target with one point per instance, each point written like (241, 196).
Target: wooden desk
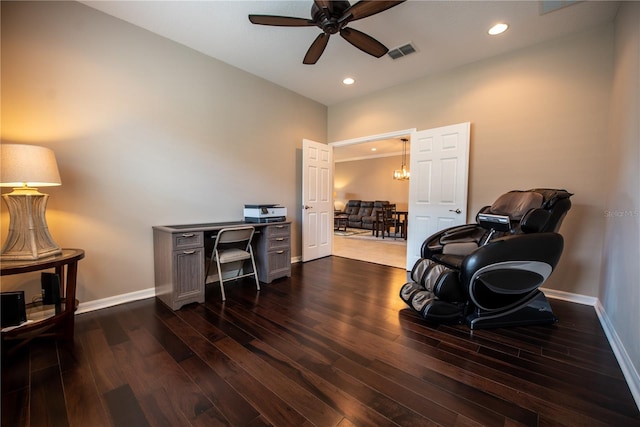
(49, 323)
(180, 252)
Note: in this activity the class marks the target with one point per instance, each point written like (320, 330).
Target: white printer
(264, 213)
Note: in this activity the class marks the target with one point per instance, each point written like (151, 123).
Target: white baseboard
(629, 371)
(631, 375)
(567, 296)
(98, 304)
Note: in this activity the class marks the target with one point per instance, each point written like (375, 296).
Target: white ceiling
(446, 34)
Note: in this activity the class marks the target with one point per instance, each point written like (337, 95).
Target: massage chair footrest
(536, 312)
(425, 303)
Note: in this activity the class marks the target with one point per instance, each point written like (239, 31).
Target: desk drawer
(187, 240)
(277, 264)
(278, 242)
(277, 230)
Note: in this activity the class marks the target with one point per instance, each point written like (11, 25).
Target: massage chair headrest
(515, 204)
(532, 210)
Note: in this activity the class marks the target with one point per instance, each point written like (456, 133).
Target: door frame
(362, 140)
(371, 138)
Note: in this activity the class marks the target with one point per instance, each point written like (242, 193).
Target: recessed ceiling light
(374, 149)
(348, 81)
(498, 29)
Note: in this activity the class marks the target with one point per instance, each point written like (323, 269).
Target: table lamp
(25, 167)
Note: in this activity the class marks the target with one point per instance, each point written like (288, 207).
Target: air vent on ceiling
(547, 6)
(401, 51)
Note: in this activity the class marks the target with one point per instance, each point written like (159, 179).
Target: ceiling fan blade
(365, 8)
(280, 21)
(364, 42)
(316, 49)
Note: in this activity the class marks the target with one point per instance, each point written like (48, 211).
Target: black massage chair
(488, 274)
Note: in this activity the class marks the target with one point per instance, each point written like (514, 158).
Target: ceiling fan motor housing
(329, 20)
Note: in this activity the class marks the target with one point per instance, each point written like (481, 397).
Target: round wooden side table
(47, 320)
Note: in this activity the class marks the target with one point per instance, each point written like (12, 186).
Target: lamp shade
(28, 165)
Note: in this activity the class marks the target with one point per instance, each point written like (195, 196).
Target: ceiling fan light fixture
(348, 81)
(499, 28)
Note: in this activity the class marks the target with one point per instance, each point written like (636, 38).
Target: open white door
(439, 161)
(317, 200)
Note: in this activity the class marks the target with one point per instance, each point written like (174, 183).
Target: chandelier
(402, 174)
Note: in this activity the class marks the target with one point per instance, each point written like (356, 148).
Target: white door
(317, 200)
(439, 160)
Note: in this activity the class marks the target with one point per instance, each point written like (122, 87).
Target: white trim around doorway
(371, 138)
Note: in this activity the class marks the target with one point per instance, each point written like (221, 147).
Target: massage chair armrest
(510, 267)
(540, 247)
(435, 243)
(463, 234)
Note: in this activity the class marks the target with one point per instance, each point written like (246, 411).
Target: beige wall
(146, 132)
(538, 119)
(370, 179)
(620, 292)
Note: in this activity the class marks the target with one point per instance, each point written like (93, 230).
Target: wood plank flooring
(332, 346)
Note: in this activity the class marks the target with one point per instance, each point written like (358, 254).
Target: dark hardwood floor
(332, 346)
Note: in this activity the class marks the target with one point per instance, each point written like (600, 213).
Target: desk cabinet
(179, 258)
(273, 252)
(179, 272)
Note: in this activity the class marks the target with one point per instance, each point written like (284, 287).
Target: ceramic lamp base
(29, 237)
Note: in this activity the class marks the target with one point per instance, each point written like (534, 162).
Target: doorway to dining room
(363, 170)
(439, 182)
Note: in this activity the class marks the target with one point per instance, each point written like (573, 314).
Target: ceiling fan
(332, 17)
